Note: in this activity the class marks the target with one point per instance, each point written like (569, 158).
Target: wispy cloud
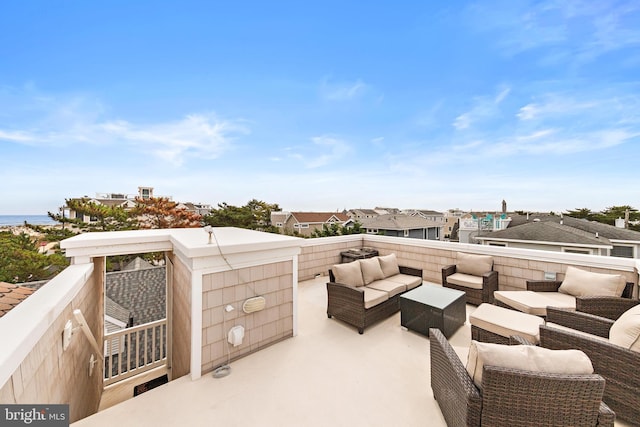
(327, 149)
(65, 122)
(342, 91)
(484, 107)
(571, 30)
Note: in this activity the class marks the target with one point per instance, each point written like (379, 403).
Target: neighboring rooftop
(11, 295)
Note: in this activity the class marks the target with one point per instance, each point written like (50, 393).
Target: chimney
(626, 218)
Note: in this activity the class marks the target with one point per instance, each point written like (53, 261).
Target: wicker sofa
(606, 295)
(366, 291)
(509, 396)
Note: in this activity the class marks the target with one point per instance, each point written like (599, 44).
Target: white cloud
(342, 91)
(327, 150)
(483, 108)
(78, 120)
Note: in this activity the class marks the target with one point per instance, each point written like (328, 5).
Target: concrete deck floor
(327, 375)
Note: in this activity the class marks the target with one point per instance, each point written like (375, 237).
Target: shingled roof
(592, 227)
(399, 222)
(11, 295)
(318, 217)
(547, 231)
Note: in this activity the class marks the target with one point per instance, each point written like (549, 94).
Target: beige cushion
(370, 270)
(392, 288)
(466, 280)
(625, 331)
(472, 264)
(406, 279)
(505, 322)
(348, 274)
(525, 357)
(535, 303)
(579, 282)
(373, 297)
(389, 265)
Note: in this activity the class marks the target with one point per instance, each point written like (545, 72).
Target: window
(622, 251)
(504, 245)
(304, 225)
(279, 224)
(406, 233)
(576, 251)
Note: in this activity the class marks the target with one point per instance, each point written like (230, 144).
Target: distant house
(565, 234)
(362, 214)
(427, 214)
(305, 223)
(398, 225)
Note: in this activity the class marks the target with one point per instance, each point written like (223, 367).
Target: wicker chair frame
(512, 397)
(474, 296)
(618, 365)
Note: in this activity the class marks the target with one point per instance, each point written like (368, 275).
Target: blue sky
(324, 105)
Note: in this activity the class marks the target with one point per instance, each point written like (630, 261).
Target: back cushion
(371, 270)
(579, 282)
(625, 331)
(526, 358)
(389, 265)
(476, 265)
(348, 274)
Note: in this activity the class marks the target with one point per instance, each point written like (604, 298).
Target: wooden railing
(135, 350)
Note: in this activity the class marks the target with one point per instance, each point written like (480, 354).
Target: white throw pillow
(526, 358)
(389, 265)
(348, 274)
(625, 331)
(371, 270)
(475, 265)
(581, 283)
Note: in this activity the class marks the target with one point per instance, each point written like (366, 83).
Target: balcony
(295, 364)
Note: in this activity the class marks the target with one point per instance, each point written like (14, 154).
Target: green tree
(255, 215)
(104, 217)
(582, 213)
(21, 262)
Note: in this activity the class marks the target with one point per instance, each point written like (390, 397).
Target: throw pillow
(348, 274)
(526, 358)
(579, 282)
(625, 331)
(371, 270)
(476, 265)
(389, 265)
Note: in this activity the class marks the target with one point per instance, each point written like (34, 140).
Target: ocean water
(6, 220)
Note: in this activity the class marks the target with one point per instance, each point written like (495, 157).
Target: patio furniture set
(560, 353)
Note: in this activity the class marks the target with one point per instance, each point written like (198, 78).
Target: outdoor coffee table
(432, 306)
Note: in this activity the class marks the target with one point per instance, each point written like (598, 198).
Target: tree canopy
(255, 215)
(20, 260)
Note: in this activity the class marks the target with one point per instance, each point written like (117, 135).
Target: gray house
(398, 225)
(565, 234)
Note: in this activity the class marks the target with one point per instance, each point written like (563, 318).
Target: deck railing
(135, 350)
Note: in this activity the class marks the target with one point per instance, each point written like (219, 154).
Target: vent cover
(253, 304)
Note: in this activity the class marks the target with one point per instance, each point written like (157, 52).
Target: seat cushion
(625, 331)
(535, 303)
(466, 280)
(392, 288)
(348, 274)
(406, 279)
(525, 357)
(476, 265)
(373, 297)
(371, 270)
(389, 265)
(505, 322)
(579, 282)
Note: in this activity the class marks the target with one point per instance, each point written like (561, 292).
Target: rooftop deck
(327, 375)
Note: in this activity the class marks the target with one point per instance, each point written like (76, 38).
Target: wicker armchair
(474, 296)
(619, 366)
(512, 397)
(609, 307)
